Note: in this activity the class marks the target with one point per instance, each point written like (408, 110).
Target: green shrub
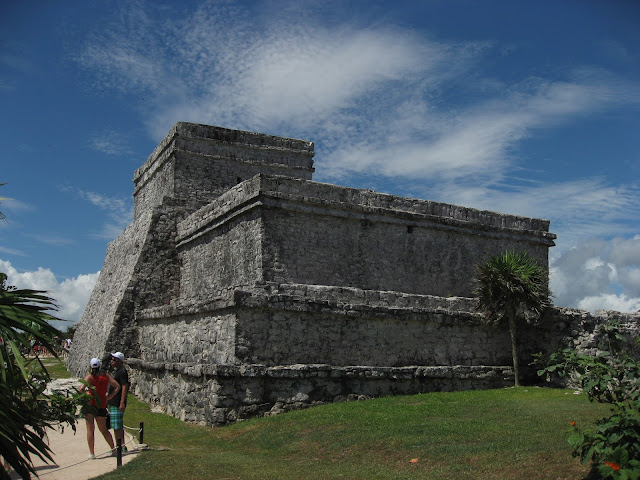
(610, 376)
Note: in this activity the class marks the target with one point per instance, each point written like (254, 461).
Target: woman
(98, 409)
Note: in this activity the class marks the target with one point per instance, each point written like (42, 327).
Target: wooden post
(119, 453)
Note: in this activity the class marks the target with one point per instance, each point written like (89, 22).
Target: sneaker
(91, 456)
(114, 452)
(124, 450)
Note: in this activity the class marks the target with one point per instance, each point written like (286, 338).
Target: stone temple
(244, 288)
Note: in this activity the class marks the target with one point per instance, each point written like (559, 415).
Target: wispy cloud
(12, 251)
(381, 102)
(371, 96)
(110, 142)
(119, 211)
(12, 205)
(238, 73)
(52, 239)
(578, 209)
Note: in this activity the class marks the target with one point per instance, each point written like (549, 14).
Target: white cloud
(259, 73)
(629, 278)
(370, 95)
(609, 301)
(627, 250)
(592, 274)
(71, 295)
(307, 78)
(471, 142)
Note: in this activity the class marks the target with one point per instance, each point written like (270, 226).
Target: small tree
(511, 287)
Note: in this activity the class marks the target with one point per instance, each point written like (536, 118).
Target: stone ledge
(320, 198)
(221, 394)
(348, 301)
(328, 371)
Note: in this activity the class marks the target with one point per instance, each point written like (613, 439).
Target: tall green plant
(511, 288)
(611, 376)
(27, 413)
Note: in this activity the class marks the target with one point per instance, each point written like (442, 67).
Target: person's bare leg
(90, 433)
(102, 426)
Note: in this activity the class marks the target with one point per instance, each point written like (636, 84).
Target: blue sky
(530, 108)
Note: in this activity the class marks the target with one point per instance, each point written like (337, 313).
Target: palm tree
(511, 287)
(26, 413)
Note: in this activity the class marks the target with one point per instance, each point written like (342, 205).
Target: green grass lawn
(516, 433)
(56, 367)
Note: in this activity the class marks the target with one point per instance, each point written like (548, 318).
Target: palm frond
(26, 413)
(511, 282)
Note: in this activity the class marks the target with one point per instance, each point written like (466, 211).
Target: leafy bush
(27, 413)
(612, 376)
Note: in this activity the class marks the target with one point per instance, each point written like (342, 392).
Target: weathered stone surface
(240, 393)
(343, 237)
(244, 288)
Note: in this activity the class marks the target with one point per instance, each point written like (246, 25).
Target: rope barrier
(100, 455)
(138, 431)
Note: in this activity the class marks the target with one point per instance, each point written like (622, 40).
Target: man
(118, 403)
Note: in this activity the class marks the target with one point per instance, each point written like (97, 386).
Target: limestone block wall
(368, 240)
(243, 287)
(282, 230)
(197, 163)
(220, 394)
(111, 295)
(153, 185)
(200, 338)
(306, 324)
(140, 271)
(376, 255)
(223, 259)
(365, 343)
(281, 347)
(565, 327)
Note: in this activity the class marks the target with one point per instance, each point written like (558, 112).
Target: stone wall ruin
(243, 287)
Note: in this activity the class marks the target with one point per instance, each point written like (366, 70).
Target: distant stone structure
(243, 288)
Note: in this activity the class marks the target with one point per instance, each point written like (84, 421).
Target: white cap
(95, 363)
(118, 355)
